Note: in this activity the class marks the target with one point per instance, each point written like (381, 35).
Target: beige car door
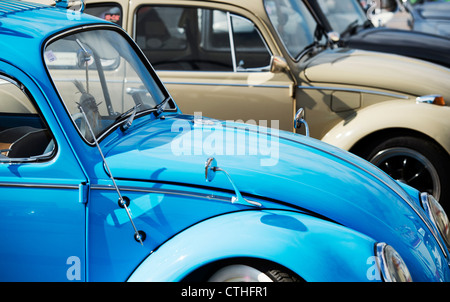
(215, 63)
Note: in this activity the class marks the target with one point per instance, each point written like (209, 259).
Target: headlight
(437, 216)
(392, 266)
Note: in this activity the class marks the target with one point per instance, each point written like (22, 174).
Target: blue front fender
(315, 249)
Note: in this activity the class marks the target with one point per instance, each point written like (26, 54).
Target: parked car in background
(431, 17)
(262, 61)
(357, 31)
(102, 178)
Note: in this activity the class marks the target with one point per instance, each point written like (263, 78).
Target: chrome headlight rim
(391, 265)
(437, 216)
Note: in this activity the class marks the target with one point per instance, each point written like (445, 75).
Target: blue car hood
(291, 169)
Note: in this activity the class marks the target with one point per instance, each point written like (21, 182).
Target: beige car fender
(428, 119)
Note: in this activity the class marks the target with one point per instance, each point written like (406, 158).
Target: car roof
(25, 26)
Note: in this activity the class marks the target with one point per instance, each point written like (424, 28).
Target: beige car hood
(379, 70)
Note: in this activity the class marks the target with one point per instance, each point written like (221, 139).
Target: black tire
(247, 273)
(417, 162)
(281, 276)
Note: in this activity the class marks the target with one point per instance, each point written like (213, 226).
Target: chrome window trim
(231, 37)
(45, 157)
(142, 57)
(229, 16)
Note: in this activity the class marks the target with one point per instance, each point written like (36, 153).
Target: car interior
(22, 131)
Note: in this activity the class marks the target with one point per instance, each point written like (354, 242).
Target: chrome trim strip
(398, 96)
(38, 185)
(163, 191)
(226, 85)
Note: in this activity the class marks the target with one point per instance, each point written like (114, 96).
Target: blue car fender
(313, 248)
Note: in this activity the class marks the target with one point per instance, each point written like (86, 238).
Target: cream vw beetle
(261, 61)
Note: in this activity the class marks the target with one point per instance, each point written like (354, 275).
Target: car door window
(23, 133)
(294, 23)
(109, 11)
(199, 39)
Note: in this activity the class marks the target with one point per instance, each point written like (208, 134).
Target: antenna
(124, 202)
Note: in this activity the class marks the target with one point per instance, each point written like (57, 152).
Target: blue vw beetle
(102, 178)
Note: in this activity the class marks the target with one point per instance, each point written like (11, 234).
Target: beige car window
(342, 13)
(199, 39)
(109, 11)
(23, 134)
(293, 22)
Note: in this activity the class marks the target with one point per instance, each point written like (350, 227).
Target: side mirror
(278, 64)
(210, 169)
(299, 120)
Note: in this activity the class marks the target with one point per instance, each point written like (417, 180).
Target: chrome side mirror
(210, 172)
(299, 120)
(210, 169)
(278, 64)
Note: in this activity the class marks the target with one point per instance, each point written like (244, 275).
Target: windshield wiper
(315, 45)
(130, 119)
(161, 106)
(350, 28)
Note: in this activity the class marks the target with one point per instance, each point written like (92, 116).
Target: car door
(42, 204)
(215, 63)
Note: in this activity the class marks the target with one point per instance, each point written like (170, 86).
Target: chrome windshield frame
(140, 56)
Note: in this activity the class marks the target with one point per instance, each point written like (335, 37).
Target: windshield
(98, 71)
(294, 23)
(343, 14)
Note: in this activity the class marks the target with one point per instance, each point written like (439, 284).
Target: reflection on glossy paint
(138, 207)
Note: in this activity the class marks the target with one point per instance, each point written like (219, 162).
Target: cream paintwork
(432, 120)
(246, 97)
(380, 70)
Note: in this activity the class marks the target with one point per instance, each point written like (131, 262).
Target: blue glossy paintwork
(266, 235)
(40, 227)
(45, 228)
(307, 175)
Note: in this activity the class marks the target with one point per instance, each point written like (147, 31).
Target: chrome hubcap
(410, 167)
(239, 273)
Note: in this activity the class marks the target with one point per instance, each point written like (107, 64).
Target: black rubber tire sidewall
(431, 151)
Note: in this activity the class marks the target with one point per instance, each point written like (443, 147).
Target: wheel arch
(297, 242)
(206, 270)
(374, 138)
(389, 118)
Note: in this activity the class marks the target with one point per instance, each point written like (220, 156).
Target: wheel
(245, 273)
(417, 162)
